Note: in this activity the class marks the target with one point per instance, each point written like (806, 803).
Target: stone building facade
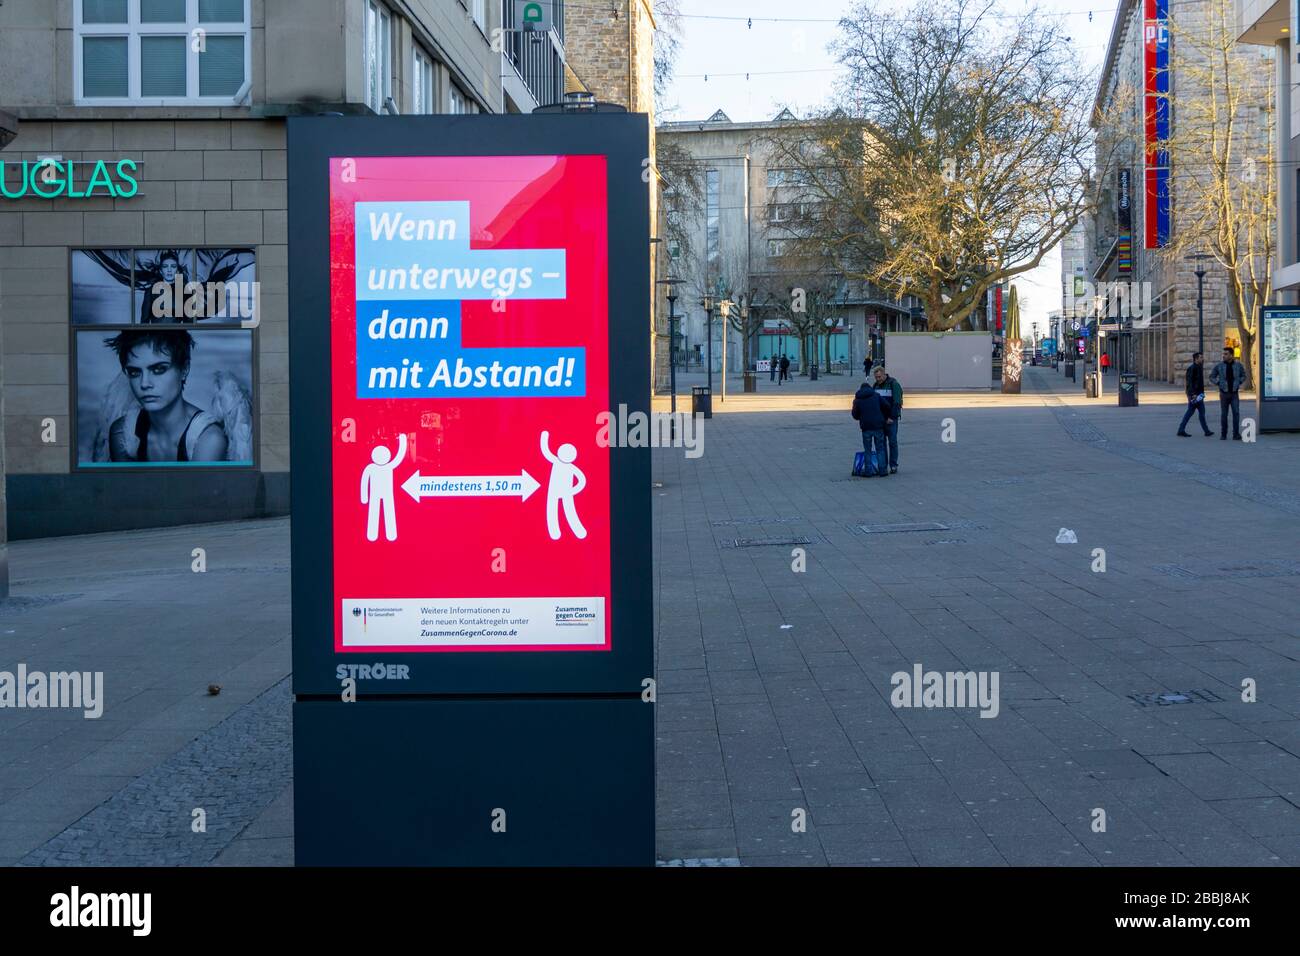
(187, 99)
(740, 232)
(1118, 257)
(610, 49)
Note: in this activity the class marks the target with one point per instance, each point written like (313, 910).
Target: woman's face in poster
(168, 268)
(155, 379)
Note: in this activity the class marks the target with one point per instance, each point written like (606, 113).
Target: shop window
(163, 357)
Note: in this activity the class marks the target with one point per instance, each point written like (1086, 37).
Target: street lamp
(707, 303)
(671, 296)
(724, 310)
(1198, 258)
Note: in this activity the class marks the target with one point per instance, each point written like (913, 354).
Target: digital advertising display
(469, 342)
(471, 542)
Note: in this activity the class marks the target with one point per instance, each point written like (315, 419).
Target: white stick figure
(566, 481)
(377, 489)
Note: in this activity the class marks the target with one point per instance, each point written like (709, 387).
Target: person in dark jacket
(889, 389)
(785, 368)
(772, 364)
(1230, 376)
(873, 413)
(1195, 387)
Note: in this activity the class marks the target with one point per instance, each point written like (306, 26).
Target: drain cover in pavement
(1168, 698)
(762, 522)
(1256, 569)
(900, 528)
(768, 542)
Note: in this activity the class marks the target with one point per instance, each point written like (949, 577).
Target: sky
(781, 59)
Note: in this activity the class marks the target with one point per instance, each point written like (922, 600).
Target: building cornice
(1126, 7)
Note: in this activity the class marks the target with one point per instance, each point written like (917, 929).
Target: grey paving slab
(775, 686)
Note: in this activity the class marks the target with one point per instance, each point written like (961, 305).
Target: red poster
(470, 359)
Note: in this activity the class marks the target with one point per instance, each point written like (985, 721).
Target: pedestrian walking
(785, 368)
(1105, 362)
(891, 391)
(1194, 380)
(771, 367)
(872, 414)
(1229, 375)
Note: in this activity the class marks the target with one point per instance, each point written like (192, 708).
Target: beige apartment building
(742, 234)
(147, 144)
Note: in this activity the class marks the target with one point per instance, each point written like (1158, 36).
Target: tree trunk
(1249, 356)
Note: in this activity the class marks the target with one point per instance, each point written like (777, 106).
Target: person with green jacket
(889, 389)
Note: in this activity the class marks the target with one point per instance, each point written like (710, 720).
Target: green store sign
(54, 179)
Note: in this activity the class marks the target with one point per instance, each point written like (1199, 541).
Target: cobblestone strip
(232, 773)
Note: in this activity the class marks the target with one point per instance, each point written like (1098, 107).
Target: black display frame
(623, 139)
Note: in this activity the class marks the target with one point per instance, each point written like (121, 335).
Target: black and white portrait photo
(151, 396)
(163, 286)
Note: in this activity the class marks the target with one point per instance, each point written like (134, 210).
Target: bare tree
(803, 301)
(681, 196)
(667, 45)
(1222, 159)
(956, 155)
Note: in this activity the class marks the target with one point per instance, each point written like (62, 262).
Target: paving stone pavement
(131, 606)
(1119, 691)
(189, 808)
(774, 686)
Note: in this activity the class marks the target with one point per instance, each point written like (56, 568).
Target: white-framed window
(777, 247)
(160, 52)
(478, 10)
(422, 100)
(460, 103)
(379, 55)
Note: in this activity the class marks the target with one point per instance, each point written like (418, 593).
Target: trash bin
(751, 382)
(1128, 389)
(1090, 384)
(1069, 370)
(812, 372)
(701, 401)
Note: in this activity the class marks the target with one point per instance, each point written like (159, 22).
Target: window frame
(385, 21)
(454, 90)
(133, 30)
(423, 87)
(234, 325)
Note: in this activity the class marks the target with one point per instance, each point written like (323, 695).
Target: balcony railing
(534, 56)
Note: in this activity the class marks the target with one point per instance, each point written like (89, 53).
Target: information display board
(1278, 392)
(454, 347)
(1281, 354)
(469, 329)
(472, 617)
